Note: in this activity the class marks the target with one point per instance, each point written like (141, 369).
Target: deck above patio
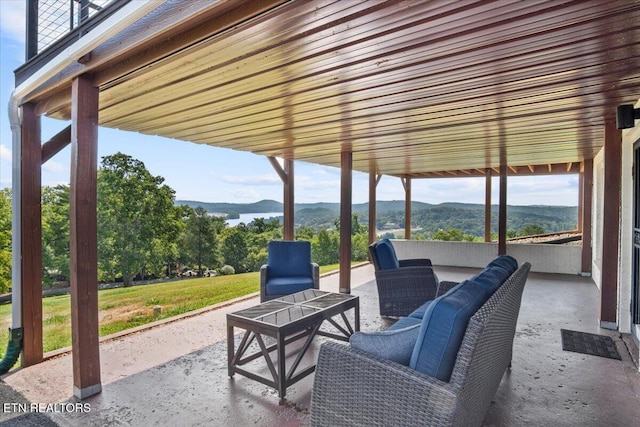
(176, 373)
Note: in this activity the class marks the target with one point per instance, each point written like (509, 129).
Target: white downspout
(15, 120)
(14, 347)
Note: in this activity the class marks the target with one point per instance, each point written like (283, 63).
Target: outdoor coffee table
(287, 319)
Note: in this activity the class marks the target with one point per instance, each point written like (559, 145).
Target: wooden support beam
(56, 144)
(532, 168)
(406, 183)
(610, 225)
(502, 212)
(287, 176)
(346, 189)
(569, 166)
(289, 203)
(374, 178)
(31, 236)
(513, 169)
(587, 201)
(84, 239)
(487, 206)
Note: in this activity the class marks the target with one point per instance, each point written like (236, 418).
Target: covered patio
(406, 89)
(175, 373)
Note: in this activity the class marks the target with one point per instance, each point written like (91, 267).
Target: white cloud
(12, 19)
(54, 167)
(266, 179)
(5, 153)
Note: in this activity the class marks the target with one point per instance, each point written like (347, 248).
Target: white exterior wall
(625, 270)
(564, 259)
(629, 137)
(596, 218)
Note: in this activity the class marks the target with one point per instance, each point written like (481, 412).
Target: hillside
(428, 218)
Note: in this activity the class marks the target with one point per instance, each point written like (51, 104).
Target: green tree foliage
(453, 235)
(200, 239)
(259, 233)
(471, 219)
(137, 221)
(55, 232)
(5, 240)
(234, 247)
(325, 247)
(532, 230)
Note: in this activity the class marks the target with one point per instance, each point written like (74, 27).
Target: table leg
(230, 349)
(282, 374)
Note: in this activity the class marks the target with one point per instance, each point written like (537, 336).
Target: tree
(532, 230)
(453, 235)
(325, 248)
(234, 247)
(55, 232)
(5, 239)
(137, 220)
(200, 238)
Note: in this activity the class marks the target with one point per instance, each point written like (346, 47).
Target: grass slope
(125, 308)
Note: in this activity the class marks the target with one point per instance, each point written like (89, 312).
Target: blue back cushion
(287, 258)
(395, 344)
(386, 255)
(443, 327)
(496, 272)
(507, 262)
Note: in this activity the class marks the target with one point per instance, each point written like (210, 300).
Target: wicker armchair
(356, 388)
(403, 285)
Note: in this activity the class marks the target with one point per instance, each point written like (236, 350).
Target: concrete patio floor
(176, 373)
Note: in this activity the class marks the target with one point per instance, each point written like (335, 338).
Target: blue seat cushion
(443, 327)
(396, 344)
(386, 255)
(288, 285)
(404, 322)
(289, 259)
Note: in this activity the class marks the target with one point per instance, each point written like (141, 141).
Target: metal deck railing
(48, 21)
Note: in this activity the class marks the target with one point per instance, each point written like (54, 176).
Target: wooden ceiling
(412, 88)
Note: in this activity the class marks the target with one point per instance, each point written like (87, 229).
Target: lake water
(248, 217)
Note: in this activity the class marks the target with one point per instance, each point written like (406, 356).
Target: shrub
(227, 269)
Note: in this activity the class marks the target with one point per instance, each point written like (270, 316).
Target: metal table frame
(287, 319)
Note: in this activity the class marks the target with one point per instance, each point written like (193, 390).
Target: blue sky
(210, 174)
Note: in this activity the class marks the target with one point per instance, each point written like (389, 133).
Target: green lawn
(125, 308)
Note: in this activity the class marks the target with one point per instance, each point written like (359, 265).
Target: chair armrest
(315, 274)
(402, 290)
(444, 287)
(416, 262)
(355, 388)
(263, 282)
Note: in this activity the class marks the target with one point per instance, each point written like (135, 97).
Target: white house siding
(629, 137)
(625, 270)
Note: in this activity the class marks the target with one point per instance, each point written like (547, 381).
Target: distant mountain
(427, 217)
(264, 206)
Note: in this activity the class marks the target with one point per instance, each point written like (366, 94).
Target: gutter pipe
(120, 20)
(16, 331)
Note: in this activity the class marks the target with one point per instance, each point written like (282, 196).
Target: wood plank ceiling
(412, 88)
